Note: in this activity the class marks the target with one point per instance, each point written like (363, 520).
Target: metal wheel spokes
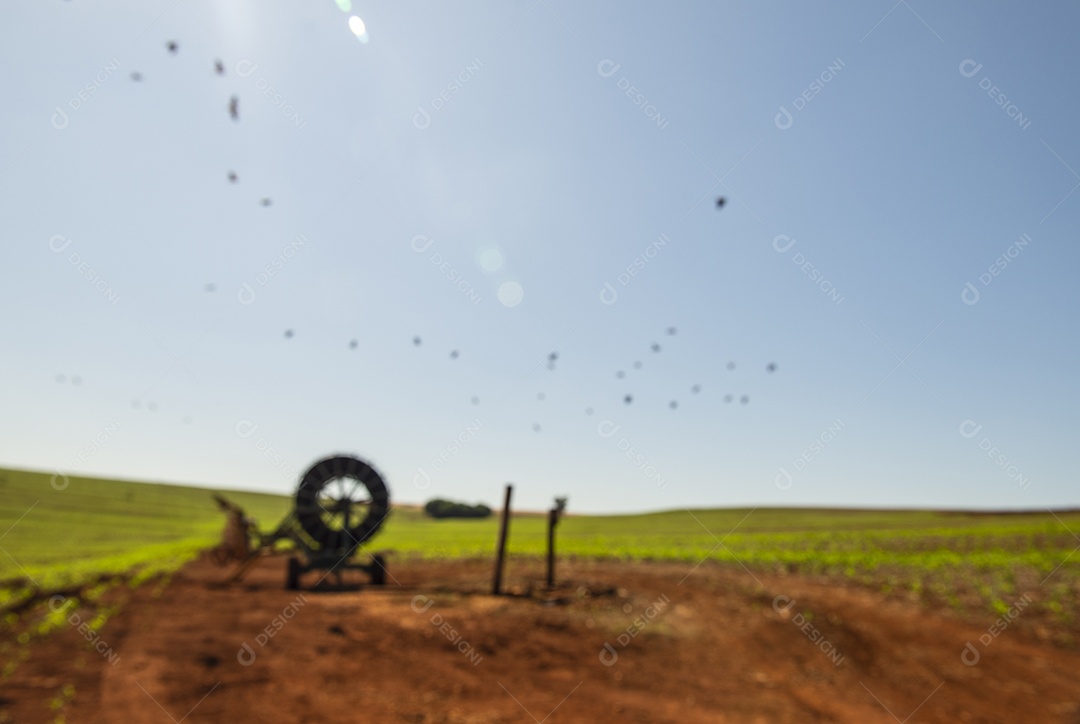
(341, 502)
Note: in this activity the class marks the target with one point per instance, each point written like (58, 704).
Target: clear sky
(514, 179)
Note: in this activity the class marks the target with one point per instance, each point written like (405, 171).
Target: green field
(58, 538)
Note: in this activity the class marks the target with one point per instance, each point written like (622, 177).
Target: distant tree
(439, 508)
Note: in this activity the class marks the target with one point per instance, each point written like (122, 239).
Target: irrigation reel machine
(340, 503)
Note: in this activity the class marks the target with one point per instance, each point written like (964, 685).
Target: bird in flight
(720, 202)
(172, 46)
(234, 108)
(219, 67)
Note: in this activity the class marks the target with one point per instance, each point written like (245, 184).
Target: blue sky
(875, 160)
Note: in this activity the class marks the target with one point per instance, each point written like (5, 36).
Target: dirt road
(620, 642)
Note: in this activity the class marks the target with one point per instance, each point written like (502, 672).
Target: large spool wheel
(341, 502)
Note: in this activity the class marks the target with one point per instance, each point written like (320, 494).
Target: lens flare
(511, 294)
(359, 29)
(491, 260)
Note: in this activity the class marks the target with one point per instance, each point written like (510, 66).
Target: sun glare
(359, 29)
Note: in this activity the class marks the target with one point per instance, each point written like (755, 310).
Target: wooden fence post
(553, 518)
(500, 551)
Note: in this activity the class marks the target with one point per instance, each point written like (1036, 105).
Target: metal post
(500, 551)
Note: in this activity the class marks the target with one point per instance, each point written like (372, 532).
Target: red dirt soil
(433, 646)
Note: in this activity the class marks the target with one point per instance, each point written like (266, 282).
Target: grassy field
(58, 538)
(81, 555)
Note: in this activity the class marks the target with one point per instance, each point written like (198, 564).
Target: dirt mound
(617, 641)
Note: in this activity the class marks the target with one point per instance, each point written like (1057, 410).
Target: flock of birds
(695, 389)
(620, 374)
(233, 107)
(628, 399)
(77, 381)
(173, 47)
